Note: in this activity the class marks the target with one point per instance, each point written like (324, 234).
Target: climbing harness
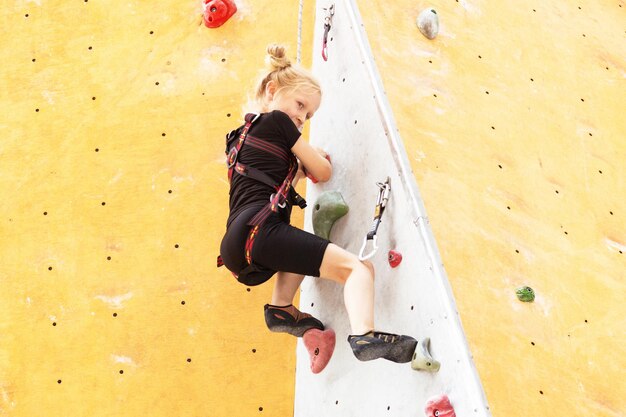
(383, 196)
(278, 199)
(328, 21)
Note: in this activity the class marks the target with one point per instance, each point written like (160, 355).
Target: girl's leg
(358, 279)
(294, 322)
(285, 287)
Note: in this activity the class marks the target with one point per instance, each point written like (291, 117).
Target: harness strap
(233, 153)
(255, 174)
(277, 199)
(283, 192)
(258, 175)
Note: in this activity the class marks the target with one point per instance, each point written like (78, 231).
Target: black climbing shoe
(289, 319)
(374, 345)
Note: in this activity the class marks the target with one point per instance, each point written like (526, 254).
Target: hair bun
(276, 58)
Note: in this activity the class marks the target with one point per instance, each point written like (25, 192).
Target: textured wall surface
(356, 128)
(114, 201)
(513, 120)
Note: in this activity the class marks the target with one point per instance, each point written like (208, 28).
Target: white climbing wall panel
(355, 126)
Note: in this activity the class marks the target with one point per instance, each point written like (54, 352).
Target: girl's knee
(370, 266)
(338, 264)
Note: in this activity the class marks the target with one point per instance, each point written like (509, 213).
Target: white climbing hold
(428, 23)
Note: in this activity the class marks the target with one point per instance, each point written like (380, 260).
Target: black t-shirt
(277, 128)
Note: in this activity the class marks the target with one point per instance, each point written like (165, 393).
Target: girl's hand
(315, 161)
(311, 177)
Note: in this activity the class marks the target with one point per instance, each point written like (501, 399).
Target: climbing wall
(114, 201)
(512, 122)
(356, 127)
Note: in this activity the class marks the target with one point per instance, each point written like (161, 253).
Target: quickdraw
(328, 21)
(381, 202)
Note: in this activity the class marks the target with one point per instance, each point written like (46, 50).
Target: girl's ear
(270, 90)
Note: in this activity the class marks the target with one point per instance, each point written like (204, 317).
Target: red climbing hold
(439, 407)
(320, 345)
(217, 12)
(394, 258)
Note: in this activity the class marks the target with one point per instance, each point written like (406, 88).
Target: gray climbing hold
(329, 207)
(428, 23)
(422, 360)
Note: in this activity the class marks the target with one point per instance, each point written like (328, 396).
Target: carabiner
(278, 204)
(328, 21)
(363, 257)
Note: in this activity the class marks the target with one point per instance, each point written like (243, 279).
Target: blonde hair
(286, 76)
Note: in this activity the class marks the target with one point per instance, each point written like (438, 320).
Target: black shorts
(277, 247)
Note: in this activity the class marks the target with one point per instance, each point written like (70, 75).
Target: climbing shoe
(288, 319)
(374, 345)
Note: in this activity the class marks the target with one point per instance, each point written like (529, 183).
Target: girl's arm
(313, 159)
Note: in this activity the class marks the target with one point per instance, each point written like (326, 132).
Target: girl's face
(300, 105)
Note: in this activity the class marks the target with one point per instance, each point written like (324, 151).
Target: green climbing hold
(329, 207)
(526, 294)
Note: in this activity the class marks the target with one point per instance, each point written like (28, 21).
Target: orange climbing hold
(320, 345)
(217, 12)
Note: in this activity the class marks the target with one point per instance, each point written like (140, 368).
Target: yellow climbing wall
(114, 201)
(513, 120)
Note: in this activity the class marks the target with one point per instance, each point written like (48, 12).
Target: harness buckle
(232, 157)
(278, 204)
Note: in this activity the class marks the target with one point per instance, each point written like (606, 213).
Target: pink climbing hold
(439, 407)
(320, 345)
(217, 12)
(394, 258)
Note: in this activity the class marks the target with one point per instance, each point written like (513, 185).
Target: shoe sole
(396, 352)
(297, 331)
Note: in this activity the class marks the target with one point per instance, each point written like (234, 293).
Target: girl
(267, 157)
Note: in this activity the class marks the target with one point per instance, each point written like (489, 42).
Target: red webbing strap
(276, 200)
(250, 242)
(279, 197)
(233, 153)
(268, 147)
